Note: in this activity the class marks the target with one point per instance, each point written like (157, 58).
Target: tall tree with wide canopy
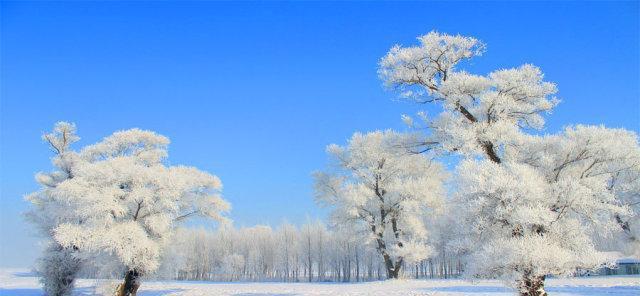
(530, 204)
(124, 202)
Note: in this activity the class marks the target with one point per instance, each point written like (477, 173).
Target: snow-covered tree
(59, 265)
(123, 201)
(382, 189)
(530, 204)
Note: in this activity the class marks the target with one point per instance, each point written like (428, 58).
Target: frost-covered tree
(530, 204)
(123, 201)
(382, 189)
(59, 265)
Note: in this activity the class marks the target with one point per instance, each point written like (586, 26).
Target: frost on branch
(428, 63)
(146, 146)
(63, 135)
(596, 171)
(383, 190)
(512, 226)
(480, 114)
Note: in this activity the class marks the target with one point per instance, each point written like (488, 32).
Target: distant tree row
(288, 253)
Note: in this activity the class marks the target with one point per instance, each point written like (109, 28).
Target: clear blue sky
(254, 92)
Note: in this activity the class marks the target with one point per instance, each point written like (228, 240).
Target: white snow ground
(22, 282)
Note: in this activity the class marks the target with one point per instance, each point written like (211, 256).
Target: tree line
(309, 253)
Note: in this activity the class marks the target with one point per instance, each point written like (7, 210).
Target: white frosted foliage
(383, 190)
(120, 199)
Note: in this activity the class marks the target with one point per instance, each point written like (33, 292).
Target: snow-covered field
(22, 282)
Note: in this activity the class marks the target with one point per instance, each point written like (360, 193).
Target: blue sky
(253, 92)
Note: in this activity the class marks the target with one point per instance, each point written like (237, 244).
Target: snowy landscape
(467, 192)
(23, 283)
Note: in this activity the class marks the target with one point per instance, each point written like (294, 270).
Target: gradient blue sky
(253, 92)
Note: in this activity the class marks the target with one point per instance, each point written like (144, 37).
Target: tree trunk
(393, 269)
(532, 285)
(130, 285)
(394, 273)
